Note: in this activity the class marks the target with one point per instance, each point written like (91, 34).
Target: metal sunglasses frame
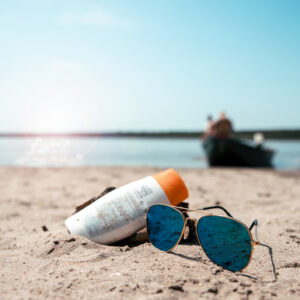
(205, 214)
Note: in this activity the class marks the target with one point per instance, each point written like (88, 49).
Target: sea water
(158, 152)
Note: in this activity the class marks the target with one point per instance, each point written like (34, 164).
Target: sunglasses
(226, 241)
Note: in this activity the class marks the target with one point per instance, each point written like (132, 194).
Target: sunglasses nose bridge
(189, 230)
(185, 230)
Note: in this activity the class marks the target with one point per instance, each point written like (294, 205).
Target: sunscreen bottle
(121, 212)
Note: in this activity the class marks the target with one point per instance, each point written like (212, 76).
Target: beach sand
(37, 264)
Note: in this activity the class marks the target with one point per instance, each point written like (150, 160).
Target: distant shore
(284, 134)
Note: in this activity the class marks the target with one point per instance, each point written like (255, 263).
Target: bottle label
(121, 212)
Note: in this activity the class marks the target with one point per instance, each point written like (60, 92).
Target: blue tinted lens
(164, 226)
(226, 242)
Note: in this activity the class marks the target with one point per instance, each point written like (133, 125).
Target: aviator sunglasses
(226, 241)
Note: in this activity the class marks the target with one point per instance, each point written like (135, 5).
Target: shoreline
(269, 134)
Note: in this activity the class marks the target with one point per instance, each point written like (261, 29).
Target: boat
(230, 152)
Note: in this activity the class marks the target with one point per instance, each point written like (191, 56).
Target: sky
(137, 65)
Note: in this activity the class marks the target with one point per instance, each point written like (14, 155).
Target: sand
(37, 264)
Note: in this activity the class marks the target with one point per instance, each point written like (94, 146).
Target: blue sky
(70, 65)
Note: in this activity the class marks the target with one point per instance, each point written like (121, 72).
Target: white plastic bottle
(121, 213)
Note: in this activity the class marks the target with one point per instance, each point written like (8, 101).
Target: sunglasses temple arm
(254, 223)
(219, 207)
(271, 258)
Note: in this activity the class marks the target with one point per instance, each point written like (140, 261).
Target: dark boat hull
(235, 153)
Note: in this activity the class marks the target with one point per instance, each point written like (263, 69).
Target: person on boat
(220, 129)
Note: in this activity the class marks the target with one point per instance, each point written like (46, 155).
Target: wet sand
(38, 264)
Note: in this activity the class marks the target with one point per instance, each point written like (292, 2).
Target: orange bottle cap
(173, 185)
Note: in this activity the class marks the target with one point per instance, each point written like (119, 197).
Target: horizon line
(247, 134)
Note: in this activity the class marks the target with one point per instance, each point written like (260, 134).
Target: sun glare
(54, 120)
(55, 106)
